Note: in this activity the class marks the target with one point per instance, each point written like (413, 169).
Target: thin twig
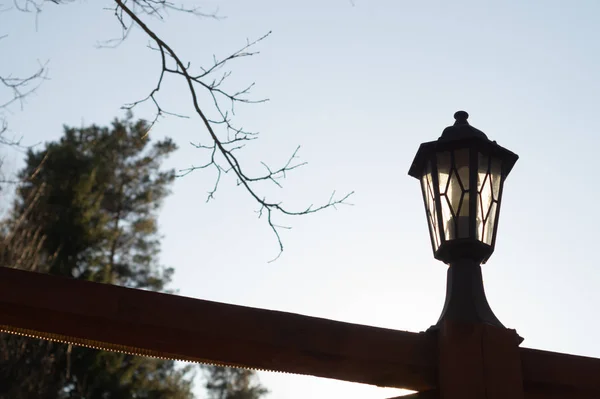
(222, 156)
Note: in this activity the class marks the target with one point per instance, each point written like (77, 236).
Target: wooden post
(479, 361)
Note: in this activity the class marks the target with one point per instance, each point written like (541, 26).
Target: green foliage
(232, 383)
(97, 192)
(98, 211)
(87, 210)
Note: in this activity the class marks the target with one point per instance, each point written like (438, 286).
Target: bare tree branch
(13, 91)
(226, 138)
(209, 81)
(21, 87)
(152, 8)
(21, 242)
(18, 89)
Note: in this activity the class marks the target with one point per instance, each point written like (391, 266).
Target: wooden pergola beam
(553, 375)
(150, 323)
(171, 326)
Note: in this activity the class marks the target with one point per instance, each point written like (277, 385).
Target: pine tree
(98, 210)
(97, 193)
(232, 383)
(87, 210)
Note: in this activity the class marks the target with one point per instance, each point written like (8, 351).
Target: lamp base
(465, 296)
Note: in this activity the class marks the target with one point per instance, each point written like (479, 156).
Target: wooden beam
(555, 375)
(478, 360)
(150, 323)
(544, 394)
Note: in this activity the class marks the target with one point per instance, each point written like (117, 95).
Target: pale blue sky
(359, 87)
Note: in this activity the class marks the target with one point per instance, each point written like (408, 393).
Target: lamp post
(462, 177)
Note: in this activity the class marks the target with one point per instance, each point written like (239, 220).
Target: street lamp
(462, 176)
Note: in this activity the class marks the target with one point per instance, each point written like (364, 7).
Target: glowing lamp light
(462, 176)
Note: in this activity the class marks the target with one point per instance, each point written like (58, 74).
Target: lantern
(462, 176)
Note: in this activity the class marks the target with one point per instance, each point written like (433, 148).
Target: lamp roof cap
(461, 129)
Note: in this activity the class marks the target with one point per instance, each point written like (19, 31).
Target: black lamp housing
(462, 176)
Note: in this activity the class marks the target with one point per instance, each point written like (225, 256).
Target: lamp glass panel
(444, 164)
(461, 162)
(496, 174)
(447, 219)
(463, 216)
(489, 225)
(453, 176)
(489, 176)
(428, 195)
